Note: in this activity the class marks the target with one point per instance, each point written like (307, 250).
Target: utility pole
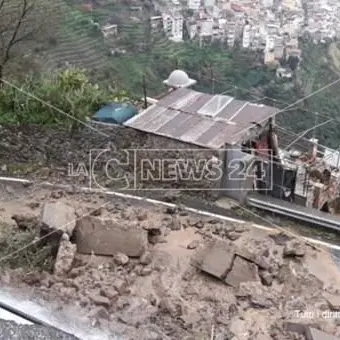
(144, 92)
(315, 124)
(212, 80)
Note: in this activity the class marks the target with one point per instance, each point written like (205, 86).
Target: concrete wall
(238, 179)
(31, 147)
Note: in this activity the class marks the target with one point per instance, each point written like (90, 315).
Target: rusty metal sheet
(194, 133)
(142, 119)
(211, 133)
(226, 136)
(230, 109)
(187, 124)
(252, 113)
(200, 101)
(188, 99)
(152, 120)
(172, 125)
(174, 96)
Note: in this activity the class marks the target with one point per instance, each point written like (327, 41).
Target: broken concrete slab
(65, 256)
(59, 216)
(294, 248)
(298, 327)
(242, 271)
(216, 258)
(104, 236)
(315, 334)
(333, 301)
(259, 260)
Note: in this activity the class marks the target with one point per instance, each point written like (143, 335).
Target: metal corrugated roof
(202, 119)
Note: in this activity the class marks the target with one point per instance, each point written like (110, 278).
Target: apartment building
(194, 4)
(173, 26)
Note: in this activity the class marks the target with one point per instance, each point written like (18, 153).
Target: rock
(167, 306)
(104, 236)
(58, 216)
(259, 260)
(65, 256)
(142, 216)
(120, 285)
(171, 210)
(145, 271)
(260, 301)
(111, 294)
(262, 336)
(266, 278)
(10, 190)
(57, 194)
(216, 258)
(146, 258)
(100, 300)
(239, 228)
(25, 222)
(237, 327)
(193, 244)
(97, 212)
(100, 313)
(33, 205)
(315, 334)
(121, 259)
(241, 271)
(175, 223)
(333, 301)
(287, 273)
(232, 236)
(294, 248)
(280, 238)
(199, 224)
(137, 313)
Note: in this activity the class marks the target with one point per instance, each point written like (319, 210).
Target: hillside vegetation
(72, 37)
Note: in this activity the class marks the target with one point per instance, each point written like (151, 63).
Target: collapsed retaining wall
(149, 162)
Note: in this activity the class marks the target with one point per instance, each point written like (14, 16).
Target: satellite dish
(179, 79)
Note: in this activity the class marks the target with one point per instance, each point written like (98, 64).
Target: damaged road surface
(144, 272)
(10, 330)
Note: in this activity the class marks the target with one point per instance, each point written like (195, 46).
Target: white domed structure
(178, 79)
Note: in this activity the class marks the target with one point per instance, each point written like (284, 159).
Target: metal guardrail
(299, 213)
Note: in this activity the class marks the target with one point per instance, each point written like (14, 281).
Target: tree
(20, 22)
(293, 62)
(69, 91)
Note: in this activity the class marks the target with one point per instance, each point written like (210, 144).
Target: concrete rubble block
(333, 301)
(59, 216)
(216, 258)
(315, 334)
(259, 260)
(297, 327)
(294, 248)
(131, 315)
(65, 256)
(242, 271)
(105, 236)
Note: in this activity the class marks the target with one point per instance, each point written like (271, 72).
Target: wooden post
(212, 80)
(144, 93)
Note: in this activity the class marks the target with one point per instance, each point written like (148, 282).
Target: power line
(328, 115)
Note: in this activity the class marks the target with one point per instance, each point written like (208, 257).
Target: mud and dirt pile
(162, 273)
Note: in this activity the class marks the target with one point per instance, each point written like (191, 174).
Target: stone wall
(148, 163)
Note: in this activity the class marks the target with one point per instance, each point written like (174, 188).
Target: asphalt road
(10, 330)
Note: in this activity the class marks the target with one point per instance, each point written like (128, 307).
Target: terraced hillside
(77, 42)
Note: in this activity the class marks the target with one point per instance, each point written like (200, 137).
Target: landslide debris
(168, 274)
